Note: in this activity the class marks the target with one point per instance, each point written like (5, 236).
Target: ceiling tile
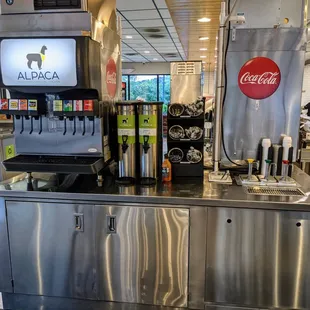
(168, 22)
(161, 4)
(126, 25)
(134, 4)
(141, 14)
(148, 23)
(165, 13)
(172, 29)
(130, 31)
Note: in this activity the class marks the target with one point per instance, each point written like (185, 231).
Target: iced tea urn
(126, 127)
(150, 140)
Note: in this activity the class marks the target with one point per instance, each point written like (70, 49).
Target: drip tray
(273, 191)
(55, 164)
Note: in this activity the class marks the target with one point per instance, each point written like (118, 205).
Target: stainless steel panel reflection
(258, 258)
(247, 121)
(40, 23)
(5, 264)
(49, 255)
(185, 88)
(26, 6)
(146, 260)
(197, 255)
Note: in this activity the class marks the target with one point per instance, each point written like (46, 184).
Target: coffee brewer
(63, 75)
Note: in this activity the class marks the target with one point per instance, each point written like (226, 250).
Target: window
(144, 87)
(164, 88)
(148, 87)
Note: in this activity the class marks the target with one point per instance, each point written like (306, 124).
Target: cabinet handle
(79, 222)
(111, 224)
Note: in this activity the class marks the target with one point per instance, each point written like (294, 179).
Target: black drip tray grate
(55, 164)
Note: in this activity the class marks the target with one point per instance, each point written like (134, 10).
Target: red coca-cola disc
(111, 77)
(259, 78)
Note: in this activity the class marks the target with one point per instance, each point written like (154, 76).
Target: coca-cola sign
(259, 78)
(111, 78)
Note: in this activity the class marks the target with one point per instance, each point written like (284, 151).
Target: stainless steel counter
(188, 193)
(191, 245)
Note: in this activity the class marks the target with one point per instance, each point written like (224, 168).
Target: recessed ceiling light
(146, 52)
(216, 48)
(203, 38)
(203, 56)
(204, 20)
(203, 49)
(122, 59)
(155, 59)
(203, 62)
(215, 56)
(217, 38)
(128, 37)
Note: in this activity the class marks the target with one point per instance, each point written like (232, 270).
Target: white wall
(146, 68)
(209, 84)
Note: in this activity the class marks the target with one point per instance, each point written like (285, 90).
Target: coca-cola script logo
(259, 78)
(111, 78)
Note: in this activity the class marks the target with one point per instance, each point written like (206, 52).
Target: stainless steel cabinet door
(258, 258)
(142, 255)
(52, 249)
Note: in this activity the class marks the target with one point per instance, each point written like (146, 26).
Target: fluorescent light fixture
(203, 38)
(155, 59)
(203, 62)
(204, 20)
(203, 49)
(203, 56)
(146, 52)
(128, 37)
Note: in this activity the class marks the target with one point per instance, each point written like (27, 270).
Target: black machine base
(126, 181)
(55, 164)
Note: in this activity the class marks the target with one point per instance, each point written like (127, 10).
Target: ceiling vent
(152, 30)
(56, 4)
(131, 54)
(157, 36)
(170, 55)
(153, 33)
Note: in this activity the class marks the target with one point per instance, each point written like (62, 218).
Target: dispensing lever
(31, 125)
(13, 129)
(84, 127)
(22, 130)
(65, 126)
(40, 131)
(93, 132)
(146, 145)
(125, 144)
(74, 126)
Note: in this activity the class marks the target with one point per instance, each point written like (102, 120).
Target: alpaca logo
(39, 59)
(125, 121)
(146, 121)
